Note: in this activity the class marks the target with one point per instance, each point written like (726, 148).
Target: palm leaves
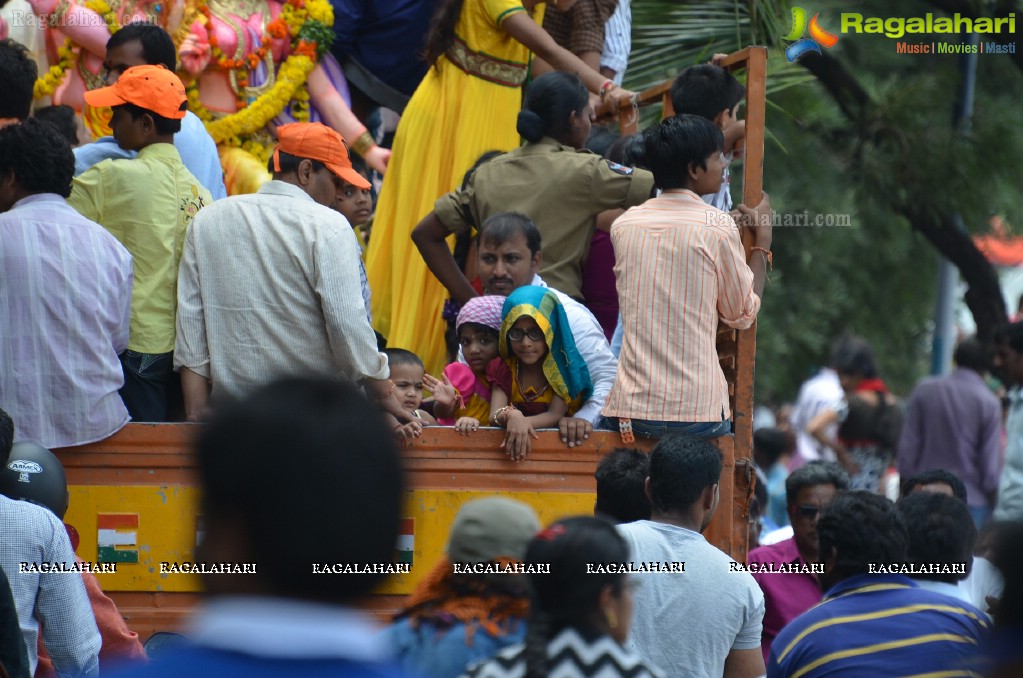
(669, 35)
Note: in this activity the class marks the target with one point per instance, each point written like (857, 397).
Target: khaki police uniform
(560, 188)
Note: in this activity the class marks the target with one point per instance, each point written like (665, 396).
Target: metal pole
(948, 275)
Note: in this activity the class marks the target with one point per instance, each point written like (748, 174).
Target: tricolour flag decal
(406, 541)
(117, 537)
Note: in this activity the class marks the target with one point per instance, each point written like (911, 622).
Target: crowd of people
(189, 298)
(864, 585)
(133, 288)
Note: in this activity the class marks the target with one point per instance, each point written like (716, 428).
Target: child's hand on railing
(467, 425)
(517, 443)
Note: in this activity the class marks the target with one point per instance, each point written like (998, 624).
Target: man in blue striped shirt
(874, 620)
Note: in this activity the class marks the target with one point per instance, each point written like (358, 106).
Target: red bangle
(606, 88)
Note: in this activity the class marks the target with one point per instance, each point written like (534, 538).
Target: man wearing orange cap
(270, 282)
(146, 203)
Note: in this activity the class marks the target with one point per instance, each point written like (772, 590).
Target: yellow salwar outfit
(465, 106)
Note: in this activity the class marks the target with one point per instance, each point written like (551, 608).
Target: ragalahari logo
(818, 36)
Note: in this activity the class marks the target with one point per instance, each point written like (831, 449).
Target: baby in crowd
(408, 375)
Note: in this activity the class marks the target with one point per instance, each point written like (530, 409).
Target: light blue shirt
(194, 144)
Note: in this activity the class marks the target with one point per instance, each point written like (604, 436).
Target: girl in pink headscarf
(466, 400)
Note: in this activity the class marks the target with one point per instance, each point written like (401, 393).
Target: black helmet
(34, 474)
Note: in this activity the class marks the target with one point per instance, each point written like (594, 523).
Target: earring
(611, 617)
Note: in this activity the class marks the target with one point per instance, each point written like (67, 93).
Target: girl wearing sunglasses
(542, 377)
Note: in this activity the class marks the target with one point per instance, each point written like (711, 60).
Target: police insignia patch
(619, 169)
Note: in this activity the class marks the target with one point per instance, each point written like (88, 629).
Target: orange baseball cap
(153, 88)
(316, 141)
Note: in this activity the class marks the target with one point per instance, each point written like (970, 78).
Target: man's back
(269, 287)
(58, 600)
(879, 625)
(65, 295)
(680, 269)
(146, 203)
(195, 145)
(821, 392)
(954, 423)
(673, 626)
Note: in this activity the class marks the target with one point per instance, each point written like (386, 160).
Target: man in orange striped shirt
(680, 269)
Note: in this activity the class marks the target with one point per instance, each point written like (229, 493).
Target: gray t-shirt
(686, 623)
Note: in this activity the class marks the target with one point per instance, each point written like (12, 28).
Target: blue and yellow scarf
(564, 367)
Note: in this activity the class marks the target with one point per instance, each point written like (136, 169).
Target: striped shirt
(680, 268)
(618, 41)
(65, 305)
(269, 287)
(880, 625)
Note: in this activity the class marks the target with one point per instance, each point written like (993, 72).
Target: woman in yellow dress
(467, 104)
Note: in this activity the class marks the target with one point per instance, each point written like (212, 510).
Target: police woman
(550, 179)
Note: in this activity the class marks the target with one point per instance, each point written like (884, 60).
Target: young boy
(356, 205)
(408, 374)
(147, 204)
(681, 269)
(711, 92)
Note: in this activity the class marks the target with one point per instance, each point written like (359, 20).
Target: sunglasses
(808, 512)
(534, 334)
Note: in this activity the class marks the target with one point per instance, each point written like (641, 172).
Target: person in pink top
(788, 594)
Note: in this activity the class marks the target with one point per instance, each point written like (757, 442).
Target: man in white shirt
(941, 537)
(821, 392)
(1008, 365)
(269, 283)
(671, 626)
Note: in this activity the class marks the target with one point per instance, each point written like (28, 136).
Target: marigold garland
(308, 22)
(47, 84)
(109, 15)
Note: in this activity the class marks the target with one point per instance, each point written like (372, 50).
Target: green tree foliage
(867, 133)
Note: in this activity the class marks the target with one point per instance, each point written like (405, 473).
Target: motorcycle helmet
(34, 474)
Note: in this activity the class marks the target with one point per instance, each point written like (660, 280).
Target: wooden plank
(752, 193)
(146, 455)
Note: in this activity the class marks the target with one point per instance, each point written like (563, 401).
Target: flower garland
(308, 22)
(47, 84)
(102, 8)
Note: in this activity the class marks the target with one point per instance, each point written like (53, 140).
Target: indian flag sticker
(406, 541)
(117, 537)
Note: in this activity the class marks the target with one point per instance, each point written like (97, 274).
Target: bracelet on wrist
(363, 143)
(607, 88)
(496, 418)
(767, 255)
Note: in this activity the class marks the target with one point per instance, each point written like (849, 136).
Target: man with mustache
(510, 257)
